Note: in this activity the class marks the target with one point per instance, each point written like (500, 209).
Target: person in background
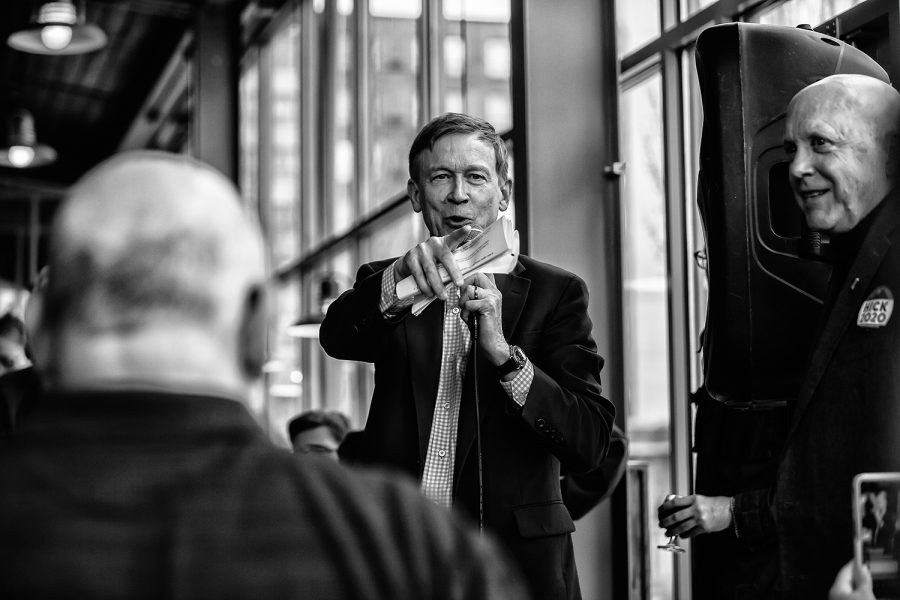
(12, 344)
(538, 370)
(143, 475)
(20, 383)
(841, 134)
(318, 432)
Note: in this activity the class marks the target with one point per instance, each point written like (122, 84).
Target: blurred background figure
(20, 385)
(318, 432)
(12, 344)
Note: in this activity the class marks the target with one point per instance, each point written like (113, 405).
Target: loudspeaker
(767, 275)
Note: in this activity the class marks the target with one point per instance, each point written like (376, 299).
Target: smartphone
(876, 528)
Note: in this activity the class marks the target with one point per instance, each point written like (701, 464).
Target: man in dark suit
(143, 475)
(841, 134)
(538, 372)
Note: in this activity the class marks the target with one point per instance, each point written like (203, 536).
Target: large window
(796, 12)
(637, 22)
(333, 92)
(394, 93)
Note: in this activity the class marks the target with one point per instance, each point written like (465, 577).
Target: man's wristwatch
(516, 362)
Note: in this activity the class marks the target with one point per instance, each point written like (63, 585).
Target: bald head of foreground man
(841, 135)
(157, 278)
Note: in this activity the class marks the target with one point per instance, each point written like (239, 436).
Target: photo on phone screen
(876, 498)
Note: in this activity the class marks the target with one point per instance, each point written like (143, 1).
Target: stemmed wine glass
(672, 544)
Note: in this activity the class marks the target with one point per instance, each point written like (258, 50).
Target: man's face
(458, 185)
(838, 168)
(317, 440)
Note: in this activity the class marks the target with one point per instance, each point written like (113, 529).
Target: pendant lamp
(20, 148)
(59, 29)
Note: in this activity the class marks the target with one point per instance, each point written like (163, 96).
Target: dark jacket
(20, 395)
(152, 495)
(565, 417)
(845, 421)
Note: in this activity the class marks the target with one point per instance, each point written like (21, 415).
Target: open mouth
(457, 222)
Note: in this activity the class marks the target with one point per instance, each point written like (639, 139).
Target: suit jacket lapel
(847, 303)
(424, 339)
(514, 289)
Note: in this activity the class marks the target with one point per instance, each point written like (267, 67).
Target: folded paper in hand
(494, 251)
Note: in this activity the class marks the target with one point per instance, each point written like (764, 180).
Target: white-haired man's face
(839, 159)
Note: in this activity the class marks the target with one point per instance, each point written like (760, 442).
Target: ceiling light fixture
(58, 29)
(21, 148)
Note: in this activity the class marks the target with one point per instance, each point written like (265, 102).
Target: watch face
(516, 361)
(518, 356)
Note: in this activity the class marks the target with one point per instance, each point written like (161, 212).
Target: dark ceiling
(130, 94)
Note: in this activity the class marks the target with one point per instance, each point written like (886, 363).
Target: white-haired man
(841, 135)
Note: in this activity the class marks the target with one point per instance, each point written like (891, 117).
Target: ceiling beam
(13, 187)
(161, 99)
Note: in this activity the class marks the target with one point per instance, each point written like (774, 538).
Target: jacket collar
(130, 416)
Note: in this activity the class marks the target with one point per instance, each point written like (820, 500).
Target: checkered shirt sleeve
(517, 387)
(390, 305)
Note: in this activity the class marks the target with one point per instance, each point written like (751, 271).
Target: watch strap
(516, 362)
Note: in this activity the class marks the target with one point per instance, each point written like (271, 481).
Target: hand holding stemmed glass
(687, 516)
(672, 545)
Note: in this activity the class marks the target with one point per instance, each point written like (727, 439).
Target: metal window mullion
(676, 35)
(309, 198)
(34, 234)
(669, 13)
(363, 104)
(263, 170)
(326, 108)
(430, 26)
(519, 135)
(20, 276)
(611, 233)
(264, 140)
(361, 158)
(676, 266)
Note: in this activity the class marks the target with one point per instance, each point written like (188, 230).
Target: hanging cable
(473, 325)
